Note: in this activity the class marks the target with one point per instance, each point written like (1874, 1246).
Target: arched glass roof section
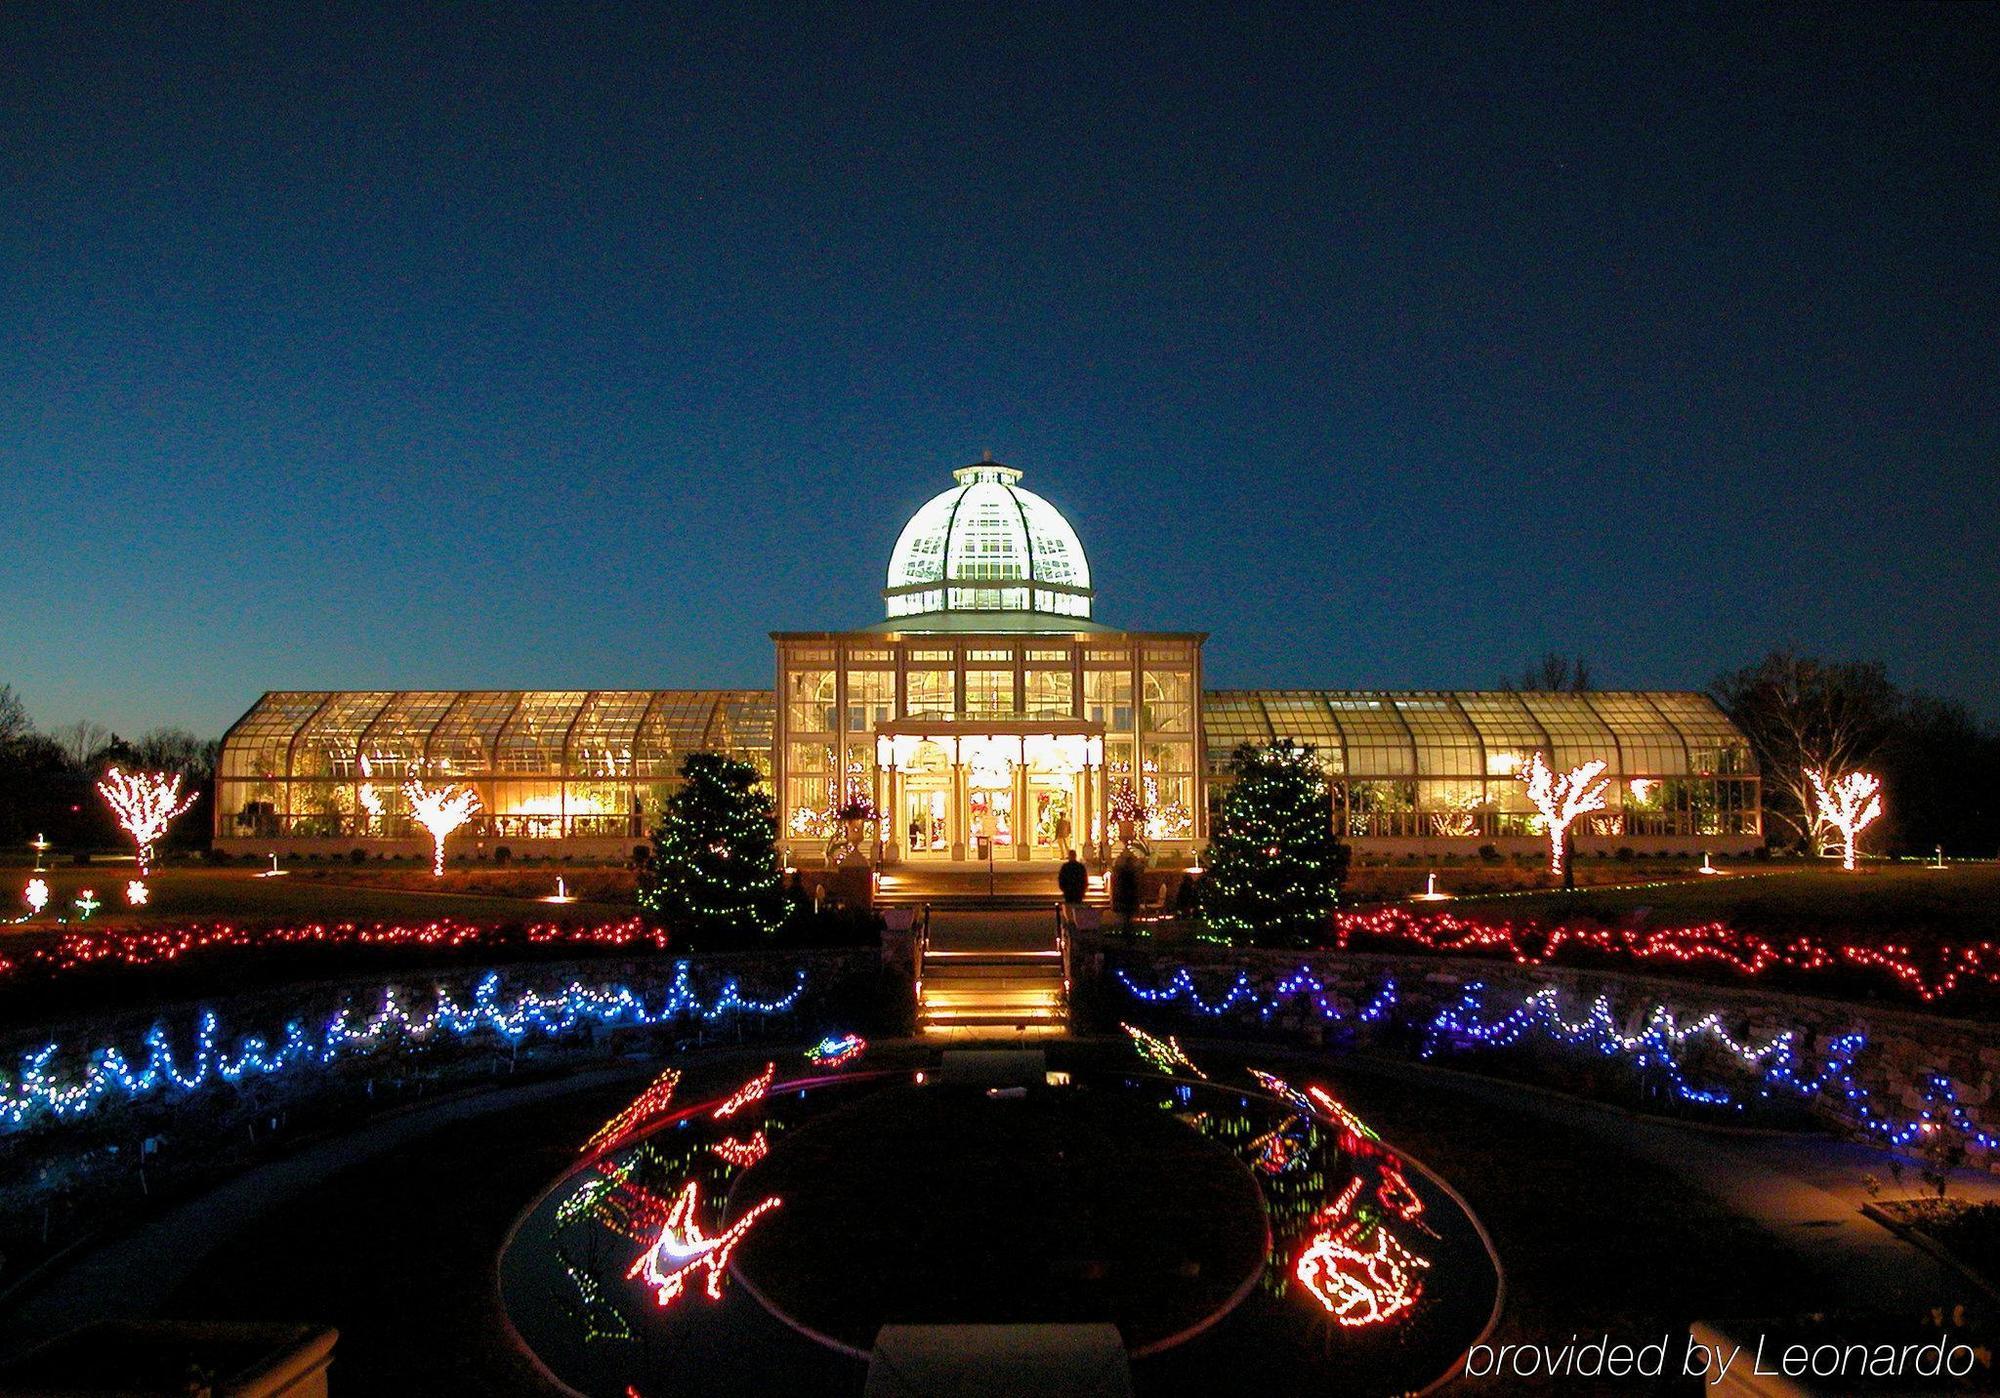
(988, 545)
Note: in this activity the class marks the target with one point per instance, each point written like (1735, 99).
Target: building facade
(989, 716)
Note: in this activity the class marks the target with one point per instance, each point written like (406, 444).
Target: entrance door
(927, 817)
(992, 815)
(1054, 830)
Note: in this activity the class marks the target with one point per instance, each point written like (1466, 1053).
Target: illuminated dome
(986, 545)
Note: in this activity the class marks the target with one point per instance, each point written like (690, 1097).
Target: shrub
(502, 854)
(1490, 853)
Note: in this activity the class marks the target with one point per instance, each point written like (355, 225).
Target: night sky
(580, 347)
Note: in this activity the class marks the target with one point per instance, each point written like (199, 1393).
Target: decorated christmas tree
(1274, 864)
(714, 876)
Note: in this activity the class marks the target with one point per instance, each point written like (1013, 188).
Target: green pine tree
(714, 877)
(1274, 863)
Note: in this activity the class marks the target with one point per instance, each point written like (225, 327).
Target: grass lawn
(1958, 904)
(180, 895)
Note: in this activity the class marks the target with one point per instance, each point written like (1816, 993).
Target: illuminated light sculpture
(741, 1154)
(1165, 1055)
(1278, 1087)
(369, 798)
(37, 894)
(683, 1249)
(1850, 804)
(1561, 799)
(836, 1050)
(440, 810)
(1395, 1193)
(658, 1096)
(86, 904)
(1359, 1284)
(146, 803)
(1338, 1111)
(136, 893)
(591, 1196)
(756, 1090)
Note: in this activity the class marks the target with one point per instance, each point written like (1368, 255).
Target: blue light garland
(1660, 1042)
(1180, 986)
(38, 1091)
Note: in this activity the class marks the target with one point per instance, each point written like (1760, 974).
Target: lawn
(180, 895)
(1877, 903)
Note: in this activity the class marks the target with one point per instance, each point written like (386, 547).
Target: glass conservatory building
(988, 715)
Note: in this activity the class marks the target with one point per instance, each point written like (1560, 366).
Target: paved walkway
(1806, 1191)
(134, 1275)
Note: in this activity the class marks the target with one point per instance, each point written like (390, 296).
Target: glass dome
(987, 545)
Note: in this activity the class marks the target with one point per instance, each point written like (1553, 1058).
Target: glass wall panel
(989, 693)
(1506, 728)
(809, 701)
(1446, 743)
(1576, 733)
(1377, 742)
(532, 742)
(932, 693)
(606, 734)
(1051, 693)
(1168, 707)
(1107, 699)
(465, 738)
(871, 699)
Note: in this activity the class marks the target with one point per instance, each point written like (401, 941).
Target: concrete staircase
(993, 993)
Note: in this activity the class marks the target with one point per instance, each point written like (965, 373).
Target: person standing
(1073, 879)
(1125, 888)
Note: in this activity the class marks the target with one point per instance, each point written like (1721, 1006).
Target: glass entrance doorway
(927, 818)
(992, 817)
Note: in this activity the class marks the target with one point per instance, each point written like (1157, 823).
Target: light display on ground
(146, 803)
(653, 1102)
(836, 1050)
(1850, 804)
(1360, 1273)
(1165, 1055)
(682, 1248)
(1561, 799)
(756, 1090)
(136, 894)
(440, 810)
(37, 896)
(39, 1091)
(741, 1154)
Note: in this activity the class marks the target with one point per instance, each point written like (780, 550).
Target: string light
(653, 1102)
(1661, 1043)
(37, 1090)
(440, 810)
(135, 893)
(1165, 1055)
(683, 1249)
(1850, 804)
(835, 1050)
(1359, 1284)
(139, 948)
(146, 803)
(86, 904)
(742, 1154)
(755, 1090)
(1561, 799)
(38, 896)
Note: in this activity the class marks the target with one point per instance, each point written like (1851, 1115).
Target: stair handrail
(1065, 931)
(923, 941)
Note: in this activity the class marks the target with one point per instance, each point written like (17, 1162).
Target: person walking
(1073, 879)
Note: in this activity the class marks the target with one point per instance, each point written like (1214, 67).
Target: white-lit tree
(146, 803)
(440, 810)
(1561, 799)
(1849, 804)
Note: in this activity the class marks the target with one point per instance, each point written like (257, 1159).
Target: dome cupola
(987, 545)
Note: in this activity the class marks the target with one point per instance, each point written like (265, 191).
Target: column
(1024, 812)
(957, 821)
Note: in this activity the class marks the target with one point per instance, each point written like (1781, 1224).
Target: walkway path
(1806, 1191)
(136, 1274)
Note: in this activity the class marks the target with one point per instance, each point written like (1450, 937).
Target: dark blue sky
(582, 346)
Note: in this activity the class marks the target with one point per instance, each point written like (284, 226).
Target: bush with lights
(714, 874)
(1274, 864)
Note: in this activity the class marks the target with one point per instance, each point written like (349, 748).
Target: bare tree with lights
(1561, 799)
(1848, 804)
(146, 803)
(440, 810)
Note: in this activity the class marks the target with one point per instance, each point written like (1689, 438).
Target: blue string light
(38, 1090)
(1661, 1042)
